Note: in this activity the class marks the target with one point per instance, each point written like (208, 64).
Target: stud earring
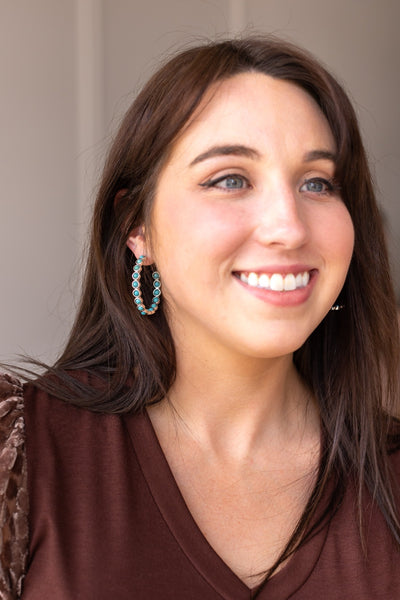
(137, 291)
(337, 307)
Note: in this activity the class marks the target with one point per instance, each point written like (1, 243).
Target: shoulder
(47, 413)
(11, 393)
(13, 487)
(62, 436)
(11, 413)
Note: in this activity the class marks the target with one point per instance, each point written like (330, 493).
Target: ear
(119, 195)
(138, 245)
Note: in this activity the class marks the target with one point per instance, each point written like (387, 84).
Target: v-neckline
(172, 506)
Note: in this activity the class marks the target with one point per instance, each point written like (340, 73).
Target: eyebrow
(237, 150)
(246, 151)
(320, 155)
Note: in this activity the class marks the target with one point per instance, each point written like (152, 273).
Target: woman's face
(248, 229)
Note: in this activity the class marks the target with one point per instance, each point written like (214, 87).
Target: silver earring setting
(137, 291)
(337, 307)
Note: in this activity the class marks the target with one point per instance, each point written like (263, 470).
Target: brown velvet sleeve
(13, 489)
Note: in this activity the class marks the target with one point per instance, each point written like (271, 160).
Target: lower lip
(284, 298)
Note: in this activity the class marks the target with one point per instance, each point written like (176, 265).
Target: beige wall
(68, 70)
(38, 235)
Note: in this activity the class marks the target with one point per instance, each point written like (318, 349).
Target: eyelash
(214, 182)
(331, 186)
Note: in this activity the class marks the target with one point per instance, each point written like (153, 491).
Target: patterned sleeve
(13, 489)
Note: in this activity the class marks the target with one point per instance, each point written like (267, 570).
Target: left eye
(228, 182)
(317, 186)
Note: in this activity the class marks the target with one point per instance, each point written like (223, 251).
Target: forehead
(258, 109)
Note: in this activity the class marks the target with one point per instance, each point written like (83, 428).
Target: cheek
(344, 237)
(335, 234)
(333, 227)
(182, 225)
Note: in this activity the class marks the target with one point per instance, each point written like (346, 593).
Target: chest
(247, 515)
(107, 520)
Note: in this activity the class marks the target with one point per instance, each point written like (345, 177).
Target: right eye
(228, 182)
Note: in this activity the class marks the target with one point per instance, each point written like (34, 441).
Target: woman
(219, 424)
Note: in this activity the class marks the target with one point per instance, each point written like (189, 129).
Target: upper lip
(282, 269)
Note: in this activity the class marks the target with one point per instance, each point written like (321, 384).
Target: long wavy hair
(350, 362)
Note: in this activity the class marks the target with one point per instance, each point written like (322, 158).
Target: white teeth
(263, 281)
(276, 282)
(252, 279)
(289, 283)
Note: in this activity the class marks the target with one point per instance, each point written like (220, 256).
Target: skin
(249, 187)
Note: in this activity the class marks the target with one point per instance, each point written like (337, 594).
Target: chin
(276, 349)
(280, 340)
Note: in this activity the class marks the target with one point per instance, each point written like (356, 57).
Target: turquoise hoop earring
(137, 292)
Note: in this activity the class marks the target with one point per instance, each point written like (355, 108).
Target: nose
(281, 217)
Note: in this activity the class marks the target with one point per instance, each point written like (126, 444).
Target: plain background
(69, 69)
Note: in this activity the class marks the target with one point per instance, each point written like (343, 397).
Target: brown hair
(350, 361)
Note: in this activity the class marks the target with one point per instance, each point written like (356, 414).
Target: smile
(276, 282)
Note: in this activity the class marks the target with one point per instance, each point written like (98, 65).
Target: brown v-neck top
(107, 521)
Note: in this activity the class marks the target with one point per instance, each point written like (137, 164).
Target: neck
(235, 405)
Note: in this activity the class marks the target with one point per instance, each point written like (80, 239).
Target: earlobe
(136, 241)
(137, 244)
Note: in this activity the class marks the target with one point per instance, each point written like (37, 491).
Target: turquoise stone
(136, 293)
(135, 284)
(136, 275)
(156, 275)
(156, 292)
(138, 301)
(157, 284)
(137, 268)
